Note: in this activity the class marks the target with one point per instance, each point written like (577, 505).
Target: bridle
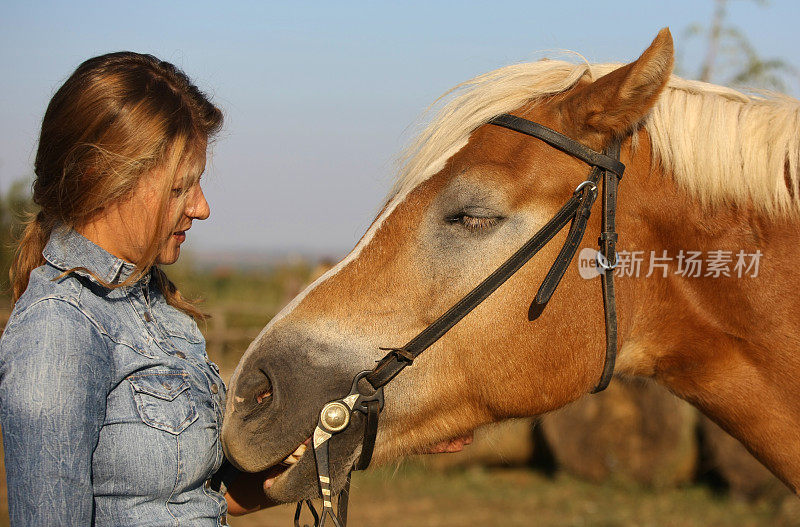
(366, 393)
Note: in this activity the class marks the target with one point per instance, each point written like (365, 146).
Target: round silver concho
(335, 416)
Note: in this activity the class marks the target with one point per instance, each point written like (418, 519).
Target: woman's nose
(197, 206)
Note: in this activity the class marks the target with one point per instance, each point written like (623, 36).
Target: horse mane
(722, 146)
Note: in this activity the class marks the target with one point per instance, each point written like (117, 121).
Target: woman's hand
(246, 491)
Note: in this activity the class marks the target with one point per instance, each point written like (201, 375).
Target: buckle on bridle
(401, 354)
(602, 261)
(587, 183)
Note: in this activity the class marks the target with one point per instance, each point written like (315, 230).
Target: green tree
(731, 59)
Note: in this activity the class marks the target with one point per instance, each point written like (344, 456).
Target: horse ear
(612, 105)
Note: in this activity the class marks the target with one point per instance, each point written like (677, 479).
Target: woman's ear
(612, 105)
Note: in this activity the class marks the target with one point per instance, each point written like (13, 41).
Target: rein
(366, 393)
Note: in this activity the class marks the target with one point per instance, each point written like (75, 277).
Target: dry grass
(511, 497)
(522, 497)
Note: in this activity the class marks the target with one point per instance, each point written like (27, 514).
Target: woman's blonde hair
(118, 117)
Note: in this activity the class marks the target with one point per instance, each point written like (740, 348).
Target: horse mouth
(285, 465)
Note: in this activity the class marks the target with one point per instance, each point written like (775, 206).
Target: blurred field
(509, 497)
(511, 476)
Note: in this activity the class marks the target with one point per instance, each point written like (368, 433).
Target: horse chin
(299, 482)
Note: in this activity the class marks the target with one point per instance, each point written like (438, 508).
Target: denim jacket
(110, 408)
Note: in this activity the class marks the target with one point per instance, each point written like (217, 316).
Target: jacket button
(180, 354)
(207, 484)
(214, 388)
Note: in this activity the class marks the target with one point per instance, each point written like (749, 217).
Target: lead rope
(335, 416)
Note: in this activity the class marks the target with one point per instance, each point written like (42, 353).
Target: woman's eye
(475, 223)
(178, 192)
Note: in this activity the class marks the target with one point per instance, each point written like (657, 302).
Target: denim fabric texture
(110, 408)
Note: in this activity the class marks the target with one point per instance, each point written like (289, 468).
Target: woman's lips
(180, 236)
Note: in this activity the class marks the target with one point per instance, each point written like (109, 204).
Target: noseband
(366, 394)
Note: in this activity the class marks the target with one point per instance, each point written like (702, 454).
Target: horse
(710, 171)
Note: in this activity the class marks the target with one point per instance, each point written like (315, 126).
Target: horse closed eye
(475, 223)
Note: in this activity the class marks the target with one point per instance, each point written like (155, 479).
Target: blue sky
(320, 96)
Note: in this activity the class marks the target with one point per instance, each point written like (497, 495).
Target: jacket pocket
(163, 399)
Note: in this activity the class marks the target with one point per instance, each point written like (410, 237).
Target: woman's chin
(169, 255)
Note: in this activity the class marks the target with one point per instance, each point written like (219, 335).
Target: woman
(109, 405)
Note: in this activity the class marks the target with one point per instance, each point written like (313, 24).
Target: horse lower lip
(274, 473)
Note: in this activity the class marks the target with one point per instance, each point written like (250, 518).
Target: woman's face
(126, 229)
(187, 205)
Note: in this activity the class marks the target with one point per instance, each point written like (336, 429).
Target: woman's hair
(117, 118)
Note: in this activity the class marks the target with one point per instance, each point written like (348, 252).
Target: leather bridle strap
(607, 261)
(370, 433)
(564, 257)
(577, 209)
(560, 141)
(398, 358)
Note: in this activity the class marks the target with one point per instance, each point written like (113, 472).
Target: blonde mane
(722, 146)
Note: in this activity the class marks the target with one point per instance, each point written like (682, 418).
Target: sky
(319, 97)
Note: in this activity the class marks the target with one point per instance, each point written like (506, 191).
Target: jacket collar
(67, 249)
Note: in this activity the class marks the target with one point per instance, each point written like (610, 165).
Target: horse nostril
(266, 393)
(254, 390)
(261, 397)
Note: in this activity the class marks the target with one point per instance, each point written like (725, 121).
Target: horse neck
(728, 345)
(676, 316)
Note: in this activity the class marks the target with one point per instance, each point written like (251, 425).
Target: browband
(560, 141)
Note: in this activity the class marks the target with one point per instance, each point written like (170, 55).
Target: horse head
(469, 195)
